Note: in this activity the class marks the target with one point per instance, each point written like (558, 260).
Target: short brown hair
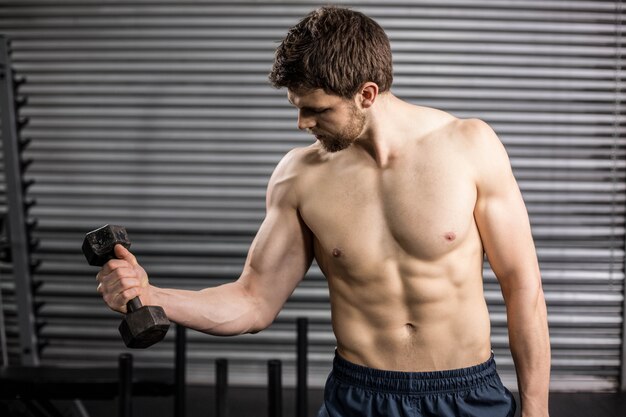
(335, 49)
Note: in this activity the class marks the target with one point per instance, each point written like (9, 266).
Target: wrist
(149, 295)
(534, 410)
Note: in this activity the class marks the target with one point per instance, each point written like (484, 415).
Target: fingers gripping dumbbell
(143, 326)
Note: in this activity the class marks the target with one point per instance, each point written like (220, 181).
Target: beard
(347, 135)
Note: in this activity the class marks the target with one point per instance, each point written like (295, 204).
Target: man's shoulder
(296, 162)
(439, 125)
(470, 143)
(473, 132)
(482, 149)
(467, 136)
(474, 128)
(301, 157)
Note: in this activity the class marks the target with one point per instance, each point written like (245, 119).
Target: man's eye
(314, 111)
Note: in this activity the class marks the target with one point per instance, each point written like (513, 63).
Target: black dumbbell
(143, 326)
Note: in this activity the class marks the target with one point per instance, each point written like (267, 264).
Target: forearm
(530, 346)
(225, 310)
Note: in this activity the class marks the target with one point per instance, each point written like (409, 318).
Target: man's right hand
(123, 279)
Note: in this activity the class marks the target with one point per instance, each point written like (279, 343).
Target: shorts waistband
(453, 380)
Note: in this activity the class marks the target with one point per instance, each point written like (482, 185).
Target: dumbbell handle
(106, 250)
(133, 305)
(143, 326)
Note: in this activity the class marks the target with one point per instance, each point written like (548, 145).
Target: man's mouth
(316, 135)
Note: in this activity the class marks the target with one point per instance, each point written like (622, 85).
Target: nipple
(450, 236)
(336, 252)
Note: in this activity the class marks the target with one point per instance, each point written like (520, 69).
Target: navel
(449, 236)
(336, 252)
(410, 329)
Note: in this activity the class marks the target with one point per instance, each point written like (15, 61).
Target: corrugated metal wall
(157, 115)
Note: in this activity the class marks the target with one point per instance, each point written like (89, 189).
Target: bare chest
(367, 216)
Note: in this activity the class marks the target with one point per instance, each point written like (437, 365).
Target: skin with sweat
(398, 205)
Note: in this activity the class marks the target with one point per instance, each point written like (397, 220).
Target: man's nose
(305, 122)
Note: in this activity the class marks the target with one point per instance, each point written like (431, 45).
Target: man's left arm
(505, 231)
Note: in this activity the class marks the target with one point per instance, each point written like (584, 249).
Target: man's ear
(368, 94)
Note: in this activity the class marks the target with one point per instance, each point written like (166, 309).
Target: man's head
(335, 122)
(336, 50)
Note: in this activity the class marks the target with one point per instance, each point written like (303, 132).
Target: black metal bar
(80, 409)
(3, 334)
(275, 388)
(180, 369)
(221, 388)
(16, 215)
(34, 408)
(301, 357)
(49, 408)
(125, 389)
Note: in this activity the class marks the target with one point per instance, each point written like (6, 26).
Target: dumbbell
(143, 326)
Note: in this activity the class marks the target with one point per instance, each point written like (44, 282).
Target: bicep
(503, 221)
(279, 257)
(281, 252)
(507, 239)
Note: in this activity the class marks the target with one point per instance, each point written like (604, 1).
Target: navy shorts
(356, 391)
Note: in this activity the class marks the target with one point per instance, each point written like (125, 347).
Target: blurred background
(157, 115)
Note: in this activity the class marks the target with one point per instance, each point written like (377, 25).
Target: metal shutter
(157, 115)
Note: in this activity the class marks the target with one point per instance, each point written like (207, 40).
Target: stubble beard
(348, 135)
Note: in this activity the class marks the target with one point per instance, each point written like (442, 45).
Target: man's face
(335, 122)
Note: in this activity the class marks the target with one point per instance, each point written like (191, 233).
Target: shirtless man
(398, 204)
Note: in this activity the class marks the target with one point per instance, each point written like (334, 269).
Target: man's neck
(385, 133)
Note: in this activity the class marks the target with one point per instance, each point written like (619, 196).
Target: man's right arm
(278, 259)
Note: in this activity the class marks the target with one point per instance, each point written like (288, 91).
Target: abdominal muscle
(421, 317)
